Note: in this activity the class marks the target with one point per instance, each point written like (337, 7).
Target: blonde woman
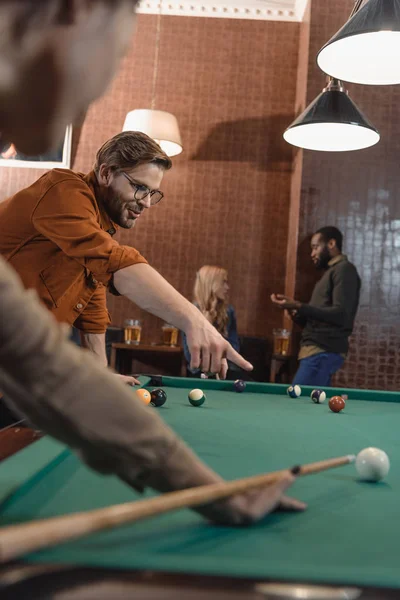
(211, 291)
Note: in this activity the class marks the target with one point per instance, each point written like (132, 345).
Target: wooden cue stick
(16, 540)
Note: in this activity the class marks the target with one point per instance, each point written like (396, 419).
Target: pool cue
(17, 540)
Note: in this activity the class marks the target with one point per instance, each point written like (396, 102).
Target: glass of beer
(170, 335)
(132, 331)
(281, 341)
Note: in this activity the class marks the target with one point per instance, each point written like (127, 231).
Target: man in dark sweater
(328, 319)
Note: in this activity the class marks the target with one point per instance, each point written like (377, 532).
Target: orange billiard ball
(144, 395)
(336, 404)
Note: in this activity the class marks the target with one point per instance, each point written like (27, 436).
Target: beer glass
(170, 335)
(132, 331)
(281, 341)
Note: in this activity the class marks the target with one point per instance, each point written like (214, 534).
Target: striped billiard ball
(318, 396)
(196, 397)
(294, 391)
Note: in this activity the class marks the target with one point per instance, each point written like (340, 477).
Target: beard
(323, 259)
(116, 209)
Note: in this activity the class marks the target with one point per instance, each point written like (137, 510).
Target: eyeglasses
(142, 191)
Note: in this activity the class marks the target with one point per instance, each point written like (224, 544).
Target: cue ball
(144, 395)
(318, 396)
(372, 464)
(158, 397)
(294, 391)
(240, 385)
(336, 404)
(196, 397)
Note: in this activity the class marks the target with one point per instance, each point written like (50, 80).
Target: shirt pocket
(59, 278)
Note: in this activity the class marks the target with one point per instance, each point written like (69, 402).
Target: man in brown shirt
(58, 235)
(44, 49)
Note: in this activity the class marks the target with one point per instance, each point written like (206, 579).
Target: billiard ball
(240, 385)
(144, 395)
(336, 404)
(158, 397)
(197, 397)
(294, 391)
(318, 396)
(372, 464)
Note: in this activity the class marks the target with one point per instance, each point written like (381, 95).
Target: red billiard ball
(336, 404)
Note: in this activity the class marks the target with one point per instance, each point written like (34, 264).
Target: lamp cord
(356, 7)
(156, 57)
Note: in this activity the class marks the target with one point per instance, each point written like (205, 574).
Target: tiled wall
(359, 193)
(228, 194)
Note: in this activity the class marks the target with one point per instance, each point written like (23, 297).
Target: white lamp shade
(331, 137)
(369, 58)
(332, 123)
(161, 126)
(366, 49)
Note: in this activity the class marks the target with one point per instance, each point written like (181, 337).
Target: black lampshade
(366, 49)
(332, 123)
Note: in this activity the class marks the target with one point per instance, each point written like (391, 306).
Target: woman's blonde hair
(208, 280)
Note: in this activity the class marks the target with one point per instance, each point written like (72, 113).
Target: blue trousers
(75, 336)
(317, 370)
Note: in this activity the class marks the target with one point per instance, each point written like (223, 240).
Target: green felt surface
(349, 534)
(27, 464)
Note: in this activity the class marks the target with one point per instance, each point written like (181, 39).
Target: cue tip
(351, 457)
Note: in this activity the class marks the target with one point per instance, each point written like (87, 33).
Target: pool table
(346, 544)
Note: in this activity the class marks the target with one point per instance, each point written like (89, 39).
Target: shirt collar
(105, 222)
(336, 259)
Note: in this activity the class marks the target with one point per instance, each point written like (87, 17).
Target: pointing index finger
(238, 360)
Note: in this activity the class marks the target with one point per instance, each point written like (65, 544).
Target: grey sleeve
(299, 320)
(344, 299)
(63, 391)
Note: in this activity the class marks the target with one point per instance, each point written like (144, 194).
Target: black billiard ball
(158, 397)
(240, 385)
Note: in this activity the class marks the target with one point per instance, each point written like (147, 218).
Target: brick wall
(227, 197)
(231, 198)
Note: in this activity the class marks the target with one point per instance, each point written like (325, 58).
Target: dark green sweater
(329, 317)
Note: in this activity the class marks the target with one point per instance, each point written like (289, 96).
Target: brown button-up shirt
(58, 237)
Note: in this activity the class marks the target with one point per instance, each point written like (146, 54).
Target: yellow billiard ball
(144, 395)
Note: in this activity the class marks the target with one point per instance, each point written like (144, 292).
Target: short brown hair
(130, 149)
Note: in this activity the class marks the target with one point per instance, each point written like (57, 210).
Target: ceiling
(267, 10)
